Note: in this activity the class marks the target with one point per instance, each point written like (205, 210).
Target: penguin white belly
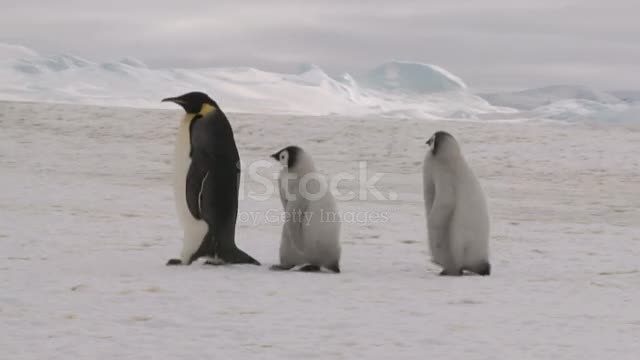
(470, 223)
(322, 232)
(194, 229)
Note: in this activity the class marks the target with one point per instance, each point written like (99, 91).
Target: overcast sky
(491, 44)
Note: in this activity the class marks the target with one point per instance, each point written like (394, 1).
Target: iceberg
(410, 77)
(396, 89)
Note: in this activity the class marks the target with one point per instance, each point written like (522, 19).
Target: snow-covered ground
(87, 223)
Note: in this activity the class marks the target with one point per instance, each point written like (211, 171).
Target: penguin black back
(215, 154)
(212, 134)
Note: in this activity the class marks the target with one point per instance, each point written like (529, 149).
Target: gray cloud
(491, 44)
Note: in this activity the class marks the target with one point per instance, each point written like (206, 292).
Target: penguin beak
(429, 141)
(173, 100)
(275, 156)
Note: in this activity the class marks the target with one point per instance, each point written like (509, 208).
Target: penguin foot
(483, 269)
(335, 268)
(236, 256)
(173, 262)
(310, 268)
(213, 262)
(456, 272)
(280, 267)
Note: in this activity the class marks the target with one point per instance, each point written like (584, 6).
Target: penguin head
(194, 102)
(443, 143)
(289, 156)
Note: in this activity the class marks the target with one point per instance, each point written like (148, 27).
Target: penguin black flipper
(196, 176)
(214, 152)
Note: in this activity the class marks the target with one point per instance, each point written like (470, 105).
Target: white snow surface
(87, 223)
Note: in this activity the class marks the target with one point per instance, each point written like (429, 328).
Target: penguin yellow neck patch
(206, 108)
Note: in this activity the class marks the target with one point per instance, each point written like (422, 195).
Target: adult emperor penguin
(206, 183)
(456, 209)
(311, 232)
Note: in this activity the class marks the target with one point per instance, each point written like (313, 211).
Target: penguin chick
(456, 209)
(311, 232)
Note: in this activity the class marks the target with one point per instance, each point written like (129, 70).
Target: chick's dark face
(287, 156)
(192, 102)
(436, 140)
